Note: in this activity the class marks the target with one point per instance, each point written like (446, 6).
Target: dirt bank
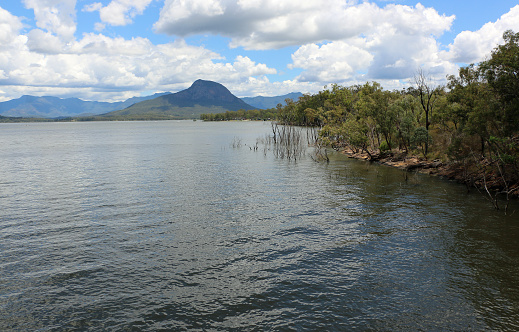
(471, 175)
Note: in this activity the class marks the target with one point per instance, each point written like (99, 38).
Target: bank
(481, 176)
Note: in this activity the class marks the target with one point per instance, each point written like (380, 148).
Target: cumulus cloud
(341, 40)
(402, 40)
(245, 65)
(55, 16)
(333, 62)
(268, 24)
(10, 27)
(265, 24)
(111, 46)
(262, 86)
(474, 46)
(44, 42)
(117, 12)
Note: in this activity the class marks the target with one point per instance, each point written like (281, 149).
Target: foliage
(501, 72)
(421, 139)
(9, 119)
(269, 114)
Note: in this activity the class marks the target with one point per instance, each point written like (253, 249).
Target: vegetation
(269, 114)
(472, 123)
(126, 117)
(9, 119)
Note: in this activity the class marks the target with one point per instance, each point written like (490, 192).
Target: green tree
(421, 138)
(405, 107)
(428, 94)
(502, 74)
(375, 103)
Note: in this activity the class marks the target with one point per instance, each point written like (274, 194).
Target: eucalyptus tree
(471, 108)
(428, 95)
(502, 74)
(405, 107)
(377, 104)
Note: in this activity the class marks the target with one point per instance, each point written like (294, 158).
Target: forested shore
(470, 127)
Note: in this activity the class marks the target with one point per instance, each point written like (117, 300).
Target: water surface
(165, 226)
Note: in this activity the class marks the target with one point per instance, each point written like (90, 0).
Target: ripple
(161, 226)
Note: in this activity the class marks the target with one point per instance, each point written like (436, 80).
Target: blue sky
(110, 50)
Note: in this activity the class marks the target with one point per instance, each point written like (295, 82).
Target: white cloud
(10, 27)
(474, 46)
(55, 16)
(244, 65)
(398, 41)
(332, 62)
(341, 41)
(93, 7)
(44, 42)
(261, 86)
(117, 12)
(269, 24)
(259, 24)
(107, 46)
(185, 9)
(98, 26)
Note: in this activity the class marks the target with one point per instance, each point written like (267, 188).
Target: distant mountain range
(271, 102)
(201, 97)
(54, 107)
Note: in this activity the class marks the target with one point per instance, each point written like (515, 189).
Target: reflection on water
(164, 225)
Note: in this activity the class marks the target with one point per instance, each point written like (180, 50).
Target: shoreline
(489, 183)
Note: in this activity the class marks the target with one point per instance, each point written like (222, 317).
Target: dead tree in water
(274, 130)
(320, 153)
(288, 142)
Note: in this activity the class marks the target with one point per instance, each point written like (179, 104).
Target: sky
(111, 50)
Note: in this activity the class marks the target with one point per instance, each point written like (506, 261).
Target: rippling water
(165, 226)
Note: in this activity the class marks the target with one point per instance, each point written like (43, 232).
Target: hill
(53, 107)
(201, 97)
(264, 103)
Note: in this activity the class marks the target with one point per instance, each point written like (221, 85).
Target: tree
(471, 105)
(375, 103)
(421, 138)
(502, 74)
(427, 94)
(405, 109)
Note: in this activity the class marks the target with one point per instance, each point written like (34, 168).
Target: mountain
(201, 97)
(271, 102)
(53, 107)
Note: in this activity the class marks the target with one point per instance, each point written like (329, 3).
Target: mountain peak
(208, 90)
(200, 82)
(201, 97)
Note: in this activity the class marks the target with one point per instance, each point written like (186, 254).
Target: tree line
(268, 114)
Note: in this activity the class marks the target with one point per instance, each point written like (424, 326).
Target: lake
(172, 225)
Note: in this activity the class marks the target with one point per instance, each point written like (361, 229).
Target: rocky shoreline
(470, 175)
